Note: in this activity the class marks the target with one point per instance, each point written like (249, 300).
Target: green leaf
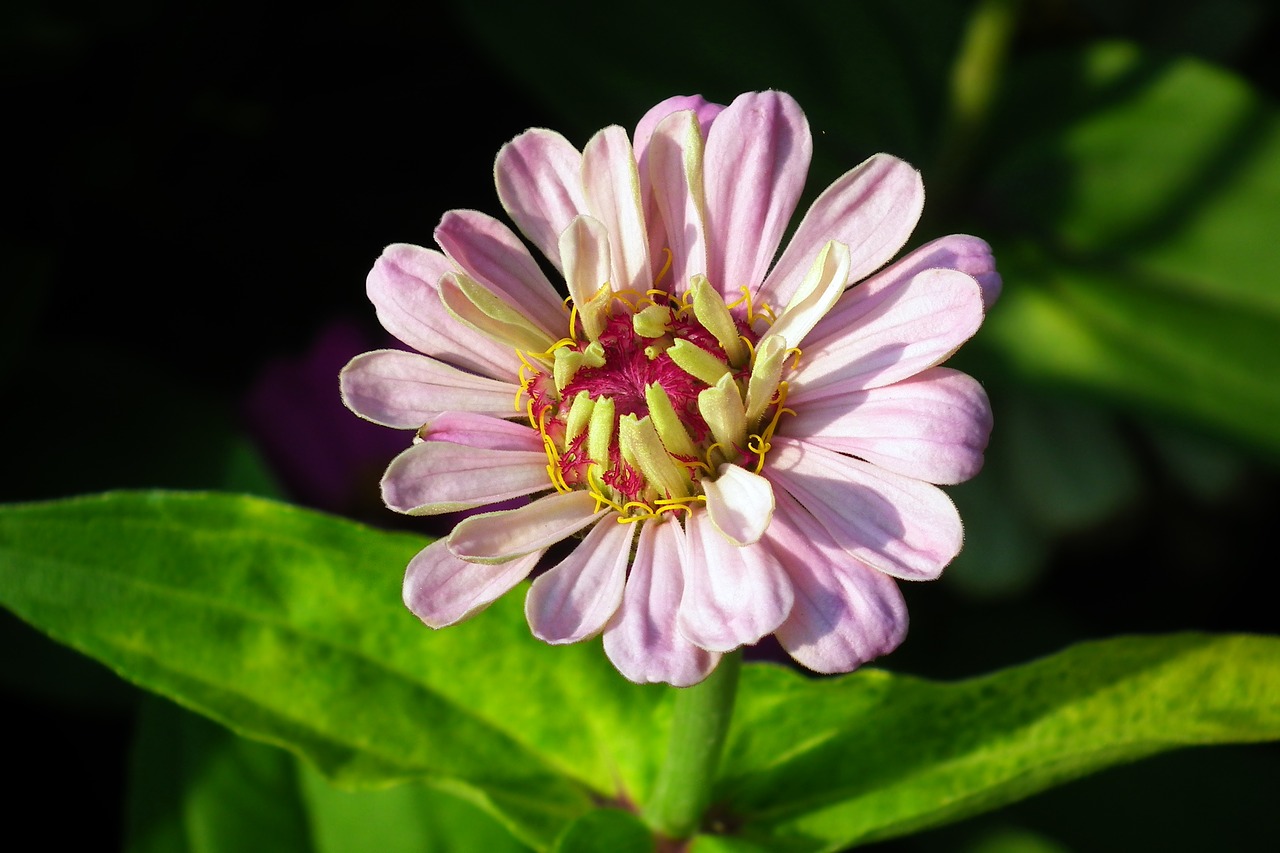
(820, 765)
(287, 626)
(1139, 255)
(613, 830)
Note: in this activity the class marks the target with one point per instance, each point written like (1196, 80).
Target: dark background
(194, 195)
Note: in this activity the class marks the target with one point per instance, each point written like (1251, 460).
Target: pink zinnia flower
(743, 448)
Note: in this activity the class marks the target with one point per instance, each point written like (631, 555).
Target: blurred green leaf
(286, 625)
(1139, 198)
(825, 56)
(606, 829)
(820, 765)
(196, 786)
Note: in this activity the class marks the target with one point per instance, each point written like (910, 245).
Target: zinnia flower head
(740, 447)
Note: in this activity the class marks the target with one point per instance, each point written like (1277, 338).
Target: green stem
(975, 77)
(698, 728)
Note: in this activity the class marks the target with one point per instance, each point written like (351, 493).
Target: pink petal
(574, 600)
(876, 337)
(584, 250)
(612, 187)
(757, 158)
(483, 431)
(442, 590)
(704, 110)
(641, 639)
(705, 113)
(732, 596)
(495, 537)
(845, 612)
(404, 289)
(494, 256)
(933, 426)
(539, 178)
(969, 255)
(739, 503)
(872, 209)
(404, 390)
(675, 179)
(902, 527)
(438, 476)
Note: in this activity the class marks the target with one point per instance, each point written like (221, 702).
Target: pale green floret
(594, 313)
(766, 373)
(672, 432)
(579, 416)
(600, 430)
(568, 362)
(721, 407)
(651, 322)
(697, 362)
(711, 312)
(642, 449)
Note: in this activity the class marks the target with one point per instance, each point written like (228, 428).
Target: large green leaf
(1139, 198)
(286, 625)
(820, 765)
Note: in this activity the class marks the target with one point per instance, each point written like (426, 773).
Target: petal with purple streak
(442, 590)
(438, 476)
(872, 209)
(733, 596)
(404, 390)
(903, 527)
(846, 613)
(933, 426)
(641, 639)
(574, 599)
(756, 160)
(539, 179)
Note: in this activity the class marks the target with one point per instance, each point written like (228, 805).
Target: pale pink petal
(704, 110)
(933, 426)
(872, 209)
(404, 390)
(539, 179)
(438, 476)
(705, 113)
(876, 337)
(584, 248)
(675, 178)
(903, 527)
(477, 307)
(740, 503)
(495, 537)
(442, 590)
(494, 256)
(641, 639)
(846, 613)
(611, 185)
(969, 255)
(574, 599)
(404, 289)
(483, 431)
(732, 596)
(756, 160)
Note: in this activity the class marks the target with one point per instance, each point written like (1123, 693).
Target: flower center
(653, 394)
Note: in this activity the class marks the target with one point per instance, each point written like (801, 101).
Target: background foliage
(202, 188)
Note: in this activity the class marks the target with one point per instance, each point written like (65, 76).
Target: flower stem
(975, 78)
(698, 728)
